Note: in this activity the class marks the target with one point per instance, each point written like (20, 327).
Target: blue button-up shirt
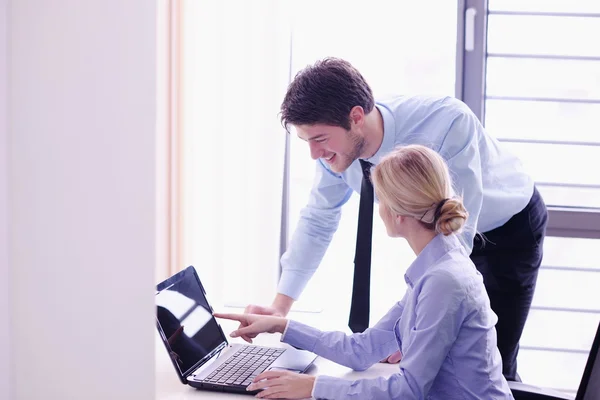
(491, 180)
(444, 326)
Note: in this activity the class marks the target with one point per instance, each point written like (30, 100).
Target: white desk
(169, 387)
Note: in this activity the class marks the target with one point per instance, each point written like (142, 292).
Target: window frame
(563, 222)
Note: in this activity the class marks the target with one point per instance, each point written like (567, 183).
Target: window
(539, 94)
(234, 72)
(564, 314)
(527, 52)
(542, 93)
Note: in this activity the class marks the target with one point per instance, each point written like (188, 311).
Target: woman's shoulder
(453, 271)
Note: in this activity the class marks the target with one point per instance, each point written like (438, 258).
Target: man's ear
(357, 116)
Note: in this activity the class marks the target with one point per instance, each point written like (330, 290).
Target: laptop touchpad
(293, 360)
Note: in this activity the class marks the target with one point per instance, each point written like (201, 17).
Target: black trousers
(509, 258)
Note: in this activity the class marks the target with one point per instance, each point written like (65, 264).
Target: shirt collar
(389, 134)
(435, 249)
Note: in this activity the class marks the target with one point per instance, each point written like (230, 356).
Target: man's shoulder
(425, 104)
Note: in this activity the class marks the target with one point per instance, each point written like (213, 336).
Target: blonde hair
(414, 181)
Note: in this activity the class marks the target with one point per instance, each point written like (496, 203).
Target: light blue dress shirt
(444, 326)
(491, 180)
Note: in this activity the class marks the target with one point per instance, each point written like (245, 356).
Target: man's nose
(315, 150)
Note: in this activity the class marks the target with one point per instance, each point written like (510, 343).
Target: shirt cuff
(291, 284)
(312, 393)
(284, 330)
(328, 387)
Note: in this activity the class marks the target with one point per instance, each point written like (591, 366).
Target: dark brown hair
(324, 93)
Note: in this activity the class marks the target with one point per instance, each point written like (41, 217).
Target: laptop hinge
(206, 358)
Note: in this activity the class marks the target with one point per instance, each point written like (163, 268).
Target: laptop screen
(590, 383)
(186, 320)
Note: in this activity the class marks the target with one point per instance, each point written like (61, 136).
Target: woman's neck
(419, 238)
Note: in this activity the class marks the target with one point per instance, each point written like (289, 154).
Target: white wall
(4, 276)
(81, 191)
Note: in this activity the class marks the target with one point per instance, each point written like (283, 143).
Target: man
(331, 107)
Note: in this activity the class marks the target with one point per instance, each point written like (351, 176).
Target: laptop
(199, 350)
(589, 387)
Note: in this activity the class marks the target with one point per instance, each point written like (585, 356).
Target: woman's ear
(399, 219)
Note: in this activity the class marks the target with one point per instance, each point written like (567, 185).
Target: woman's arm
(439, 316)
(388, 321)
(358, 351)
(397, 386)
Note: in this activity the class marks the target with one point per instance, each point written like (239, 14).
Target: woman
(444, 325)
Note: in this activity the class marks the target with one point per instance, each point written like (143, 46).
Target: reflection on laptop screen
(187, 322)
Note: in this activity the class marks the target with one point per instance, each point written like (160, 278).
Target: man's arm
(282, 304)
(318, 222)
(461, 151)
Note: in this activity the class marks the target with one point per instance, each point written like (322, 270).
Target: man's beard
(345, 160)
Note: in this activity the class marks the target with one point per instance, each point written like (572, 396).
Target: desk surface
(169, 387)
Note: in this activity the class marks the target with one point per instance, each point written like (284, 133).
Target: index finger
(234, 317)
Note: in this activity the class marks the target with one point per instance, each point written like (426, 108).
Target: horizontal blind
(542, 100)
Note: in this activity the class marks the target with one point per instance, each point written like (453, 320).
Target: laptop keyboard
(244, 365)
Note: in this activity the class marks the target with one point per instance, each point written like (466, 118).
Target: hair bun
(450, 216)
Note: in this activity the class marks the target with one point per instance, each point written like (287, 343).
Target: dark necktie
(359, 308)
